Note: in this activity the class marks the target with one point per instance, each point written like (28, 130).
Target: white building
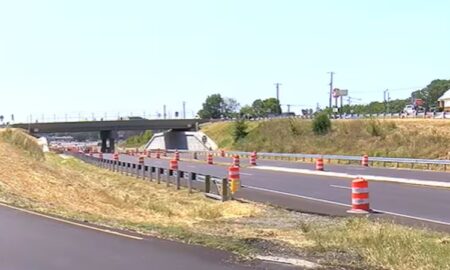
(444, 101)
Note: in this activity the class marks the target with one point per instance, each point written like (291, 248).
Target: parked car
(409, 109)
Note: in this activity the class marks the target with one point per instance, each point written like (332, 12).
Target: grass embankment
(137, 140)
(75, 190)
(415, 138)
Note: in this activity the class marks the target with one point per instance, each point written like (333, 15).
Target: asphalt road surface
(33, 242)
(419, 203)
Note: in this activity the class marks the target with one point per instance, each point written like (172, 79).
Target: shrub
(239, 130)
(374, 128)
(321, 124)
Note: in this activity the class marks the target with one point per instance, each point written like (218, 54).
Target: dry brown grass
(415, 138)
(73, 189)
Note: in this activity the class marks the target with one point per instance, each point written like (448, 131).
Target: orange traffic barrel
(234, 178)
(365, 161)
(319, 164)
(210, 159)
(253, 157)
(360, 196)
(236, 161)
(173, 165)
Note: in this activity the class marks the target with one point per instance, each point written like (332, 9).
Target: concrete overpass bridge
(108, 129)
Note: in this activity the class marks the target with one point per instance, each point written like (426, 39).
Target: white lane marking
(191, 166)
(348, 205)
(352, 176)
(243, 173)
(343, 187)
(296, 195)
(71, 222)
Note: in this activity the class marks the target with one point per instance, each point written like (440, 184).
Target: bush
(239, 130)
(321, 124)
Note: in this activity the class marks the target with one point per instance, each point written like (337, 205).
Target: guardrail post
(190, 179)
(150, 173)
(158, 175)
(207, 183)
(178, 179)
(224, 189)
(168, 178)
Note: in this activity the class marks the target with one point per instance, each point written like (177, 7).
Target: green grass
(138, 140)
(389, 138)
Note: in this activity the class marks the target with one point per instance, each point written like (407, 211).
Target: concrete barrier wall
(182, 140)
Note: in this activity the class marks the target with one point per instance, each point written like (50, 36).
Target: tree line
(216, 106)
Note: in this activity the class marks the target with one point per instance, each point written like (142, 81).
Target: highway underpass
(108, 129)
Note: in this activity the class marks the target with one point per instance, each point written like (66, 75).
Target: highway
(29, 241)
(418, 203)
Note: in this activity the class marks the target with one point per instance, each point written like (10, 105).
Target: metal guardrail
(213, 186)
(304, 157)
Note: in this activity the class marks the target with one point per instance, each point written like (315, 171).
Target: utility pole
(164, 112)
(184, 109)
(386, 98)
(277, 85)
(331, 88)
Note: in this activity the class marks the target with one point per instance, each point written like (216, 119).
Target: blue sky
(84, 57)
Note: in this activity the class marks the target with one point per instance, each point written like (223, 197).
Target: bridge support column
(108, 141)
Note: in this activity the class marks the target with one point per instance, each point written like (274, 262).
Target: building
(444, 101)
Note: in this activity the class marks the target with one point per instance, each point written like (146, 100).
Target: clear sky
(84, 57)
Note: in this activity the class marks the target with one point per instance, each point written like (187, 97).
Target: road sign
(339, 92)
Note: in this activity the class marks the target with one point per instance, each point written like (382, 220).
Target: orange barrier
(253, 157)
(365, 161)
(210, 159)
(360, 196)
(233, 176)
(319, 164)
(236, 161)
(173, 165)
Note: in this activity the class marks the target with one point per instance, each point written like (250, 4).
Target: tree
(262, 108)
(321, 124)
(216, 106)
(239, 130)
(272, 106)
(432, 92)
(247, 112)
(212, 108)
(258, 108)
(231, 107)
